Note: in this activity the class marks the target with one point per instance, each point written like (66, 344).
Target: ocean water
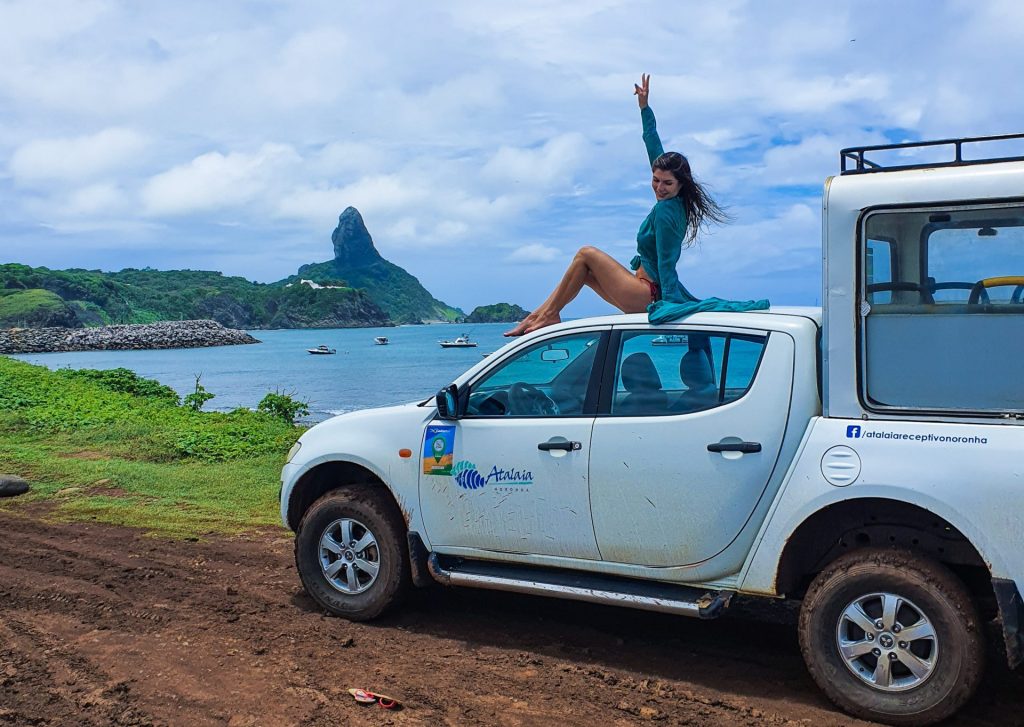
(360, 375)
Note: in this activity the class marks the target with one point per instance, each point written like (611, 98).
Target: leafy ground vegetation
(113, 447)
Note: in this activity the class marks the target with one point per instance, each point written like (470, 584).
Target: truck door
(689, 435)
(511, 474)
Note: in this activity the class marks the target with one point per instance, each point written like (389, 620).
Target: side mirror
(448, 402)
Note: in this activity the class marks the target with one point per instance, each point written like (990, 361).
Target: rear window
(943, 325)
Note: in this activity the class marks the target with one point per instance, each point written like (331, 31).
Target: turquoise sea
(360, 375)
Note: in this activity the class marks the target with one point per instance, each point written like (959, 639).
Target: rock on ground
(11, 485)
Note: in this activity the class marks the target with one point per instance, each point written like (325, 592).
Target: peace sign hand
(642, 90)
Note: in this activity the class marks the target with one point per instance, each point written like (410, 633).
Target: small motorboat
(460, 342)
(321, 349)
(381, 340)
(669, 340)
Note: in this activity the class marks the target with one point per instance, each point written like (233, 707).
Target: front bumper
(289, 473)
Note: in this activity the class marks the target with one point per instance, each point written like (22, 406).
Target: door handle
(744, 447)
(567, 446)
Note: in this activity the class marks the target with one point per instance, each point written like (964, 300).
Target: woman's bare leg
(600, 271)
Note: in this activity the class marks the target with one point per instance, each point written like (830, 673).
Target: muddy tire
(351, 552)
(892, 637)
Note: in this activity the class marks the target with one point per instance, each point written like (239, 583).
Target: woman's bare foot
(542, 321)
(521, 327)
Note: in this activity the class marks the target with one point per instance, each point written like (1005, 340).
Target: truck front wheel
(349, 552)
(892, 637)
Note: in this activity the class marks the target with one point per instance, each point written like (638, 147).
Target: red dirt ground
(100, 625)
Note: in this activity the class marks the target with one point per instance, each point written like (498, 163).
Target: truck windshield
(944, 323)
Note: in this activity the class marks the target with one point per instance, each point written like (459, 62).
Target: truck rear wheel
(350, 553)
(892, 637)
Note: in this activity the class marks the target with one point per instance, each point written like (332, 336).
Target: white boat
(321, 349)
(381, 340)
(460, 342)
(669, 340)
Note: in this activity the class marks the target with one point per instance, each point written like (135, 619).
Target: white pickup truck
(866, 457)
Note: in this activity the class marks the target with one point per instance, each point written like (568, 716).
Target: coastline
(127, 337)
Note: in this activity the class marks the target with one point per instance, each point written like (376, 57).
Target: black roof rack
(862, 165)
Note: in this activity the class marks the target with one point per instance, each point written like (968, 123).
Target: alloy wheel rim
(887, 642)
(349, 556)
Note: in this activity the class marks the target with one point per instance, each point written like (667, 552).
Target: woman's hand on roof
(641, 90)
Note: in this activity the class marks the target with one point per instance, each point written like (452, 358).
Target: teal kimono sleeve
(669, 232)
(651, 139)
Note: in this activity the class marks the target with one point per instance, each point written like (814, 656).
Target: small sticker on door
(439, 449)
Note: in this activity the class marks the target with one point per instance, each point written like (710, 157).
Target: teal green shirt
(659, 241)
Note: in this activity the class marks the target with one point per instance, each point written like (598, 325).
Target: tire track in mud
(77, 693)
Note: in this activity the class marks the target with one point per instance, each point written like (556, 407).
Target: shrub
(197, 398)
(125, 381)
(283, 406)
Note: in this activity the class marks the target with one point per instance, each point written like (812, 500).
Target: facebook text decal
(855, 431)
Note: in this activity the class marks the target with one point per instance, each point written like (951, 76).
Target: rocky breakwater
(168, 334)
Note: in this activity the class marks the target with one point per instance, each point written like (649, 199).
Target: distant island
(497, 313)
(357, 288)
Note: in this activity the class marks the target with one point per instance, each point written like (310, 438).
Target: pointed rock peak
(353, 246)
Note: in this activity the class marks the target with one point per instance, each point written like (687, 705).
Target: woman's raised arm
(651, 139)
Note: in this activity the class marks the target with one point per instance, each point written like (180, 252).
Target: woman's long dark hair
(700, 208)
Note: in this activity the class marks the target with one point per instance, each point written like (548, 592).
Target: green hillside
(358, 288)
(34, 307)
(34, 296)
(356, 260)
(391, 287)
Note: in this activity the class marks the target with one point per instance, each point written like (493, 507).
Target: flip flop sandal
(366, 697)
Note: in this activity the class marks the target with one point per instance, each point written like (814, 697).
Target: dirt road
(100, 625)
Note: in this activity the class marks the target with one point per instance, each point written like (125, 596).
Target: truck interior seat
(640, 378)
(695, 372)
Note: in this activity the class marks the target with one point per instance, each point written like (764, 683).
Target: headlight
(293, 451)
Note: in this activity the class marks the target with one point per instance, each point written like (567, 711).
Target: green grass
(115, 448)
(27, 307)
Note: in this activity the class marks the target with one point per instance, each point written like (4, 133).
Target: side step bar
(576, 586)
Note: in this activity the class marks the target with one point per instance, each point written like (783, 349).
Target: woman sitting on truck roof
(683, 206)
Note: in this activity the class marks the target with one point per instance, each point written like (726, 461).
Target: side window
(878, 270)
(550, 378)
(950, 336)
(665, 373)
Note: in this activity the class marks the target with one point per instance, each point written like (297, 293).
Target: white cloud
(76, 158)
(305, 71)
(533, 254)
(550, 165)
(214, 181)
(808, 161)
(92, 200)
(317, 205)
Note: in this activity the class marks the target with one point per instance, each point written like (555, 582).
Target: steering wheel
(528, 399)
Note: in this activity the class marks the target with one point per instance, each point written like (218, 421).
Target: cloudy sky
(483, 142)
